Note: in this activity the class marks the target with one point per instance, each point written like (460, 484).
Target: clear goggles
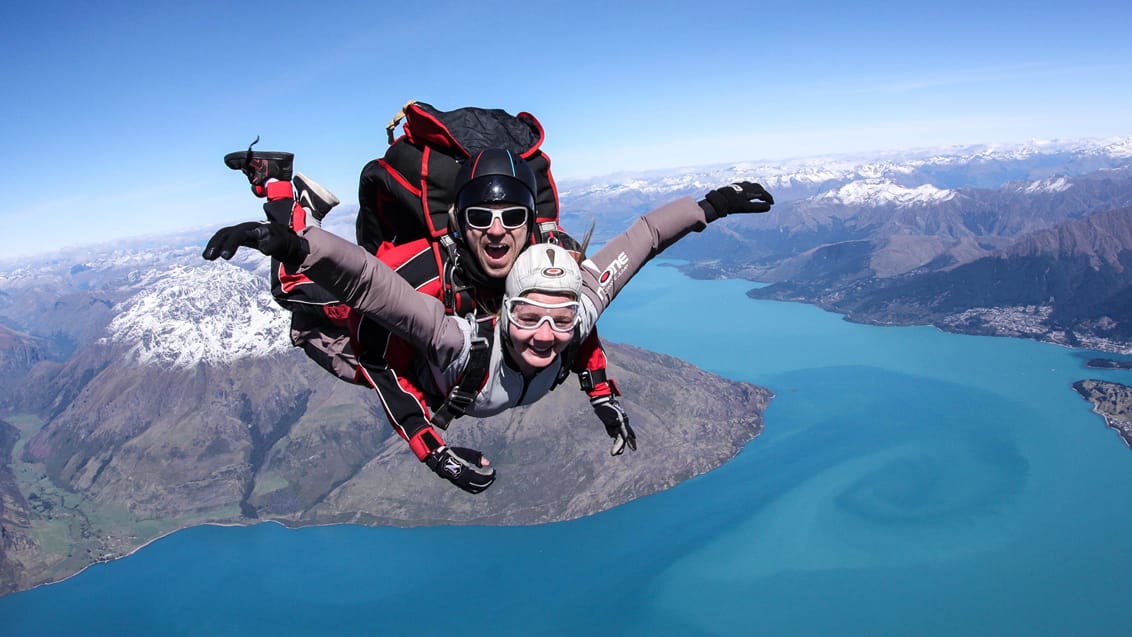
(481, 218)
(530, 315)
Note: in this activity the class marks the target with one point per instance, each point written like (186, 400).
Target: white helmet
(544, 267)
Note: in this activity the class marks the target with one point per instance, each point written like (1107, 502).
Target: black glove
(741, 197)
(279, 211)
(461, 467)
(273, 239)
(616, 423)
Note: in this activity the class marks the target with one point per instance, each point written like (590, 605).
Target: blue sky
(116, 115)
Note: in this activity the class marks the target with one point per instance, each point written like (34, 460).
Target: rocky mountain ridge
(810, 240)
(1069, 284)
(886, 263)
(879, 179)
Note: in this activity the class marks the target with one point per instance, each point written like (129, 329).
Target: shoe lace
(251, 167)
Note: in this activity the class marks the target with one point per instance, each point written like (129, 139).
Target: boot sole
(237, 159)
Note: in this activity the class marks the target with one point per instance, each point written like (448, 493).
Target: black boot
(261, 165)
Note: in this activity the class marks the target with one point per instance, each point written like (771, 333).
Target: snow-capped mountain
(212, 313)
(159, 300)
(1055, 184)
(880, 191)
(873, 179)
(163, 303)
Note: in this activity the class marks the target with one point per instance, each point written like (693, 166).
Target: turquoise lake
(908, 482)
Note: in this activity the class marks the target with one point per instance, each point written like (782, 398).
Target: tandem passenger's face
(494, 235)
(541, 326)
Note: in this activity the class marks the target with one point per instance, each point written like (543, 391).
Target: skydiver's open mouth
(496, 251)
(542, 352)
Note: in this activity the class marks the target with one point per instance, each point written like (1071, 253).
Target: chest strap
(568, 356)
(475, 375)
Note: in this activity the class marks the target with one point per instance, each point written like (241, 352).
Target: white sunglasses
(481, 218)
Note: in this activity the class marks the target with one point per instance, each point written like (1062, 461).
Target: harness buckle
(589, 379)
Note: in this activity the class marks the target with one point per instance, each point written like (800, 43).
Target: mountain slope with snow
(213, 313)
(979, 165)
(879, 192)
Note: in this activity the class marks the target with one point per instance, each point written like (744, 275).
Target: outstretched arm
(609, 270)
(358, 279)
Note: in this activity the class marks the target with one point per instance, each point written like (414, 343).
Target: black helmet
(496, 175)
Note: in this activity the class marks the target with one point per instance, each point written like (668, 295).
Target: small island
(1108, 363)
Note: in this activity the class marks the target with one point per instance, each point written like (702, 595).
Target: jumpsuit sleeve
(371, 287)
(611, 267)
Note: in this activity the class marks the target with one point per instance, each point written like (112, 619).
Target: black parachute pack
(403, 217)
(405, 195)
